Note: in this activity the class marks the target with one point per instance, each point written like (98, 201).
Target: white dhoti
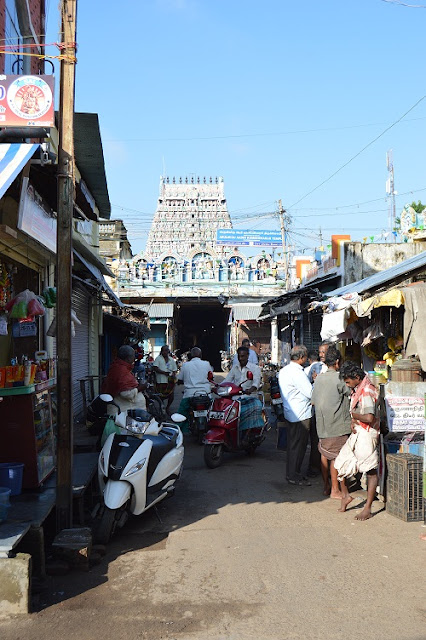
(358, 454)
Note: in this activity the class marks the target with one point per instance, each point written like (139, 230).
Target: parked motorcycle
(276, 399)
(199, 406)
(137, 468)
(225, 361)
(223, 424)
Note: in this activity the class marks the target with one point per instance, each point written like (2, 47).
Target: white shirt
(237, 375)
(194, 375)
(252, 358)
(169, 366)
(296, 391)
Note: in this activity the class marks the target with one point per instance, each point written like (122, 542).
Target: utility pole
(64, 265)
(390, 191)
(284, 219)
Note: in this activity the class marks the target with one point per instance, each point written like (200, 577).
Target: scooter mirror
(249, 375)
(106, 397)
(178, 417)
(210, 376)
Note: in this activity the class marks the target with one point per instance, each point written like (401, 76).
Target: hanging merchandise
(395, 345)
(74, 320)
(6, 284)
(371, 333)
(3, 325)
(49, 296)
(25, 306)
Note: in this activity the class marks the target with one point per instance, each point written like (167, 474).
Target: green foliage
(418, 207)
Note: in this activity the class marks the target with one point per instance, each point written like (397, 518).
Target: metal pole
(64, 266)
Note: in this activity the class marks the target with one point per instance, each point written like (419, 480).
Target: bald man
(194, 377)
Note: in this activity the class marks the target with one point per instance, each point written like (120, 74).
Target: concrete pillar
(15, 592)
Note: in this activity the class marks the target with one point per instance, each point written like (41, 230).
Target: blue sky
(273, 96)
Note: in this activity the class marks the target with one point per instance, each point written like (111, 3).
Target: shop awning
(246, 311)
(157, 309)
(13, 158)
(100, 279)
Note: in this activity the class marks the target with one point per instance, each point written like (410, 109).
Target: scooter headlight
(136, 467)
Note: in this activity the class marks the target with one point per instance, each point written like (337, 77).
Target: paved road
(241, 555)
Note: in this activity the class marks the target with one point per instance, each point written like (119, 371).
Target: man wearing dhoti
(360, 451)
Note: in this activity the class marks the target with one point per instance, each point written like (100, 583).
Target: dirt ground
(240, 555)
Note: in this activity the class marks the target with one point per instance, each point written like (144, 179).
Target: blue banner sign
(249, 238)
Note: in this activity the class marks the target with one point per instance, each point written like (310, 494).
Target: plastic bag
(35, 308)
(373, 332)
(3, 325)
(110, 427)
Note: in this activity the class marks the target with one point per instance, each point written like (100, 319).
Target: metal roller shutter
(80, 346)
(312, 323)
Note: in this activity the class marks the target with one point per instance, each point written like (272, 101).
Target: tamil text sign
(248, 238)
(26, 101)
(405, 413)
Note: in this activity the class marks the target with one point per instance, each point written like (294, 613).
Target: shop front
(381, 327)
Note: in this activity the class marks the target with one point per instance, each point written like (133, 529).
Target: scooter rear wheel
(106, 526)
(213, 454)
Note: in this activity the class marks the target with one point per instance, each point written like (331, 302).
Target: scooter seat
(160, 447)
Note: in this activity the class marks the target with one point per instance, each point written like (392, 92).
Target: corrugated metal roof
(246, 311)
(90, 159)
(394, 274)
(157, 309)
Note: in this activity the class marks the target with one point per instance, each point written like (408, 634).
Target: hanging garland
(6, 285)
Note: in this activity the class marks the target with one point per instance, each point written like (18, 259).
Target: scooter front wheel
(213, 454)
(106, 526)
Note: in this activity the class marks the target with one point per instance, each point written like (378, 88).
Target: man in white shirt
(251, 415)
(296, 391)
(252, 353)
(165, 369)
(194, 377)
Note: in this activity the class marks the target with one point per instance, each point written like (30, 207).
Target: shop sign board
(35, 218)
(405, 413)
(26, 101)
(249, 238)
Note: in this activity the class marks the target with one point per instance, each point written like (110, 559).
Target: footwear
(313, 473)
(297, 483)
(305, 482)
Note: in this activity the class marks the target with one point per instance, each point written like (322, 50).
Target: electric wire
(359, 152)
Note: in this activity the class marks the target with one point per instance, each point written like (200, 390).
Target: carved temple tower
(189, 211)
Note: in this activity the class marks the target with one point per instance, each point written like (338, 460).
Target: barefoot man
(360, 452)
(330, 397)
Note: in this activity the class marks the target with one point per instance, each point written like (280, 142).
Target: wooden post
(64, 267)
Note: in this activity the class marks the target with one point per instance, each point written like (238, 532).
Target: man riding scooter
(251, 407)
(194, 377)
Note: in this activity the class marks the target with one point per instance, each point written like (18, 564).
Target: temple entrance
(204, 325)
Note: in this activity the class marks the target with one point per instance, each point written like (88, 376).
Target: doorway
(203, 325)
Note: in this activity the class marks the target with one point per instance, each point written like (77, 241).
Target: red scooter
(223, 424)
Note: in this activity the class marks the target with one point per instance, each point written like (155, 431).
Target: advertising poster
(26, 101)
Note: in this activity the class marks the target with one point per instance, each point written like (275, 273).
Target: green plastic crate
(404, 496)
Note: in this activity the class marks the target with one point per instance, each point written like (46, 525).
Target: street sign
(249, 238)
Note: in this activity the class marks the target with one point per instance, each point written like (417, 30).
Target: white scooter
(137, 468)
